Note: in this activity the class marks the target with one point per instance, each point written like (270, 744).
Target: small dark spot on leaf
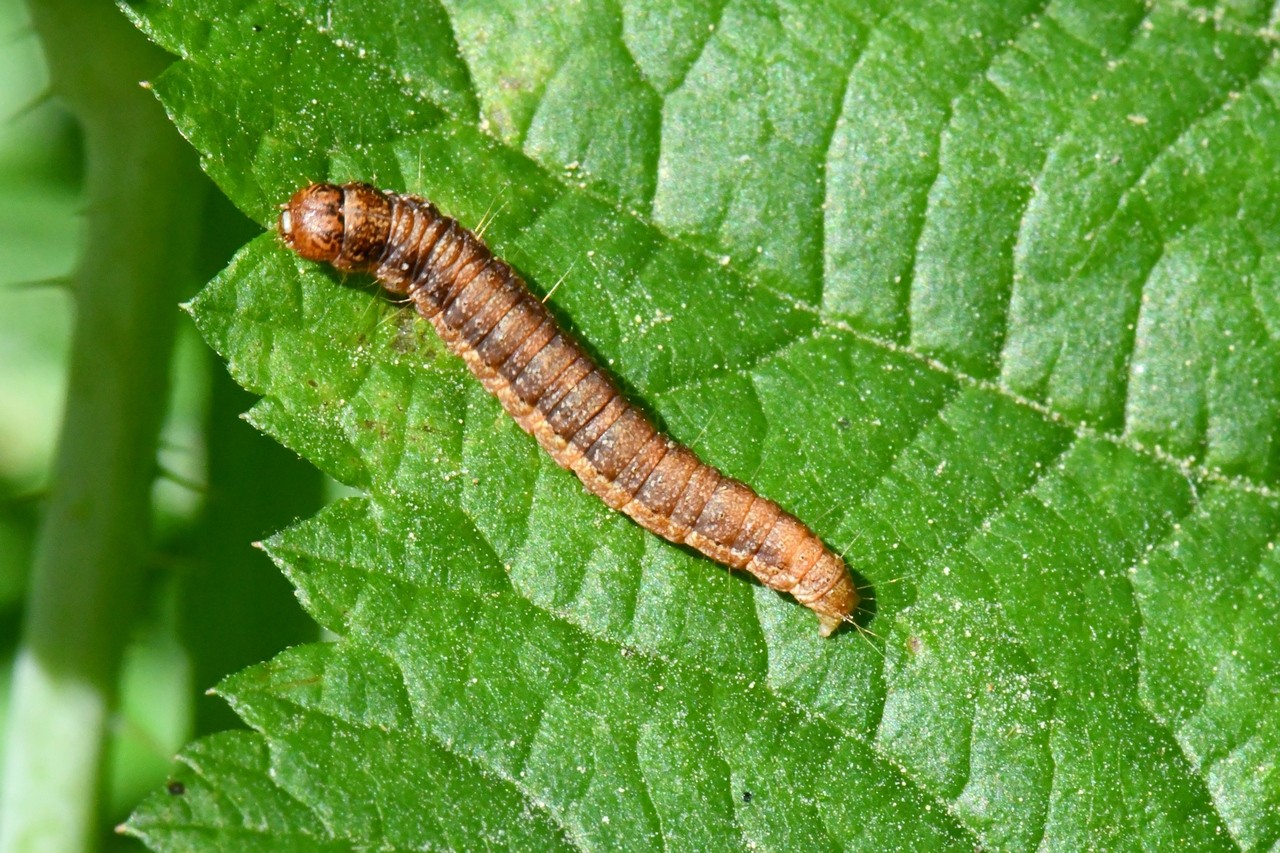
(378, 427)
(746, 796)
(915, 645)
(257, 28)
(176, 788)
(843, 423)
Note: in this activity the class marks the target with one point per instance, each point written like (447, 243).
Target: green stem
(143, 192)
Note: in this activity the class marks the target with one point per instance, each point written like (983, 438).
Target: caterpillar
(486, 314)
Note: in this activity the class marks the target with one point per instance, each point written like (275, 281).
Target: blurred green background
(209, 603)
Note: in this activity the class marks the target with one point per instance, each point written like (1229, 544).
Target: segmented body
(484, 312)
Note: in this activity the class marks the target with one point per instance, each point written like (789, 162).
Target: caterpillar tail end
(828, 592)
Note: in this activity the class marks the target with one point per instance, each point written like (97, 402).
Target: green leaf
(988, 293)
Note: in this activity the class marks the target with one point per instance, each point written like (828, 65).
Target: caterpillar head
(346, 225)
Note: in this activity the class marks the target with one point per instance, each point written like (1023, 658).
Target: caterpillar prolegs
(484, 312)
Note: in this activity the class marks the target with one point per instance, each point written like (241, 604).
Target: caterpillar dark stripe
(484, 312)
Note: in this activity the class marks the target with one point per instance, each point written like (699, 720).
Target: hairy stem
(143, 193)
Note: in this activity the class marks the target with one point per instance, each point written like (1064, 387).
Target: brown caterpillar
(486, 314)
